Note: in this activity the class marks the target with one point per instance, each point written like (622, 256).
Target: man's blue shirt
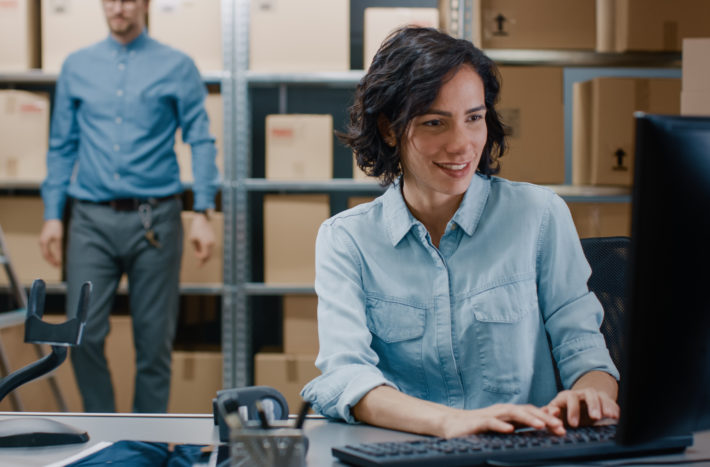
(466, 324)
(116, 109)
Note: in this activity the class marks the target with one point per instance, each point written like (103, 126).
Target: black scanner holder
(25, 432)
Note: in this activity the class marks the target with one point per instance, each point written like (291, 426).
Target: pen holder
(273, 447)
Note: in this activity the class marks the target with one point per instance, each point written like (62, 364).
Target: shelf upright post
(236, 322)
(460, 16)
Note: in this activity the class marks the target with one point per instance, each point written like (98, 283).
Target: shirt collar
(399, 220)
(135, 44)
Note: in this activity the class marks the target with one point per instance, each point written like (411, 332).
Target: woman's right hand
(504, 418)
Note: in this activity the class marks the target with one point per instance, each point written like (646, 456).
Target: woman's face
(442, 147)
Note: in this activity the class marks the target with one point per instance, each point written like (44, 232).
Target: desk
(199, 429)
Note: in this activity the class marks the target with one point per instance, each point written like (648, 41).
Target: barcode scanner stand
(26, 432)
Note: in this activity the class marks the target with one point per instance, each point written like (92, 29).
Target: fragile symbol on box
(619, 155)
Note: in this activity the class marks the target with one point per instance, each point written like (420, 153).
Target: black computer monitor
(665, 384)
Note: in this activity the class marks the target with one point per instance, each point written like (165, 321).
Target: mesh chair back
(608, 257)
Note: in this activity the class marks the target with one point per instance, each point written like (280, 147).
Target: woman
(436, 300)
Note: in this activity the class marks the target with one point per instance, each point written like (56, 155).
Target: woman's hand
(591, 399)
(504, 418)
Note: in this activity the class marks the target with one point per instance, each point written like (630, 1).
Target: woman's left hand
(586, 406)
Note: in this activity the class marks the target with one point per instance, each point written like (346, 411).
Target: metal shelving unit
(235, 81)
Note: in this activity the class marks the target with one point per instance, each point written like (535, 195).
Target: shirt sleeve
(195, 125)
(63, 146)
(572, 314)
(346, 360)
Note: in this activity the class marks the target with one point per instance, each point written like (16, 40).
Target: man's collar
(135, 44)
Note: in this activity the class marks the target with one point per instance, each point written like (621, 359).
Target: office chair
(608, 257)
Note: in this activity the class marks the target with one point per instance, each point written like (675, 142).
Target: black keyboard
(525, 446)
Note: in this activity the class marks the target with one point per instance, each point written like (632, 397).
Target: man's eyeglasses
(126, 4)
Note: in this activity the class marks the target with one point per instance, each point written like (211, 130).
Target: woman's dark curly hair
(403, 81)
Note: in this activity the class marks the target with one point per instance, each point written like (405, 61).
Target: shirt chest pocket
(398, 331)
(505, 327)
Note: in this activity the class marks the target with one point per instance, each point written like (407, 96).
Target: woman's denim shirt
(483, 319)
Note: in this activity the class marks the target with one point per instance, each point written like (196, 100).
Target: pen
(302, 414)
(262, 415)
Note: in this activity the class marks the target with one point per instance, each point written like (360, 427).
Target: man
(117, 106)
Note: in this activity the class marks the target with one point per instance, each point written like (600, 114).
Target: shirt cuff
(335, 393)
(582, 355)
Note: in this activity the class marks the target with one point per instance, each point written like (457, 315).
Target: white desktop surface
(199, 429)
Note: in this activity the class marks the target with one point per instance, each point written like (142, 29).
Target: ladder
(14, 318)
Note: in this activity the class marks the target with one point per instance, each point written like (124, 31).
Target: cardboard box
(601, 219)
(655, 25)
(215, 112)
(695, 103)
(291, 224)
(171, 19)
(212, 272)
(696, 65)
(287, 373)
(24, 132)
(307, 36)
(299, 147)
(300, 318)
(380, 22)
(542, 24)
(536, 124)
(196, 378)
(603, 133)
(19, 35)
(67, 26)
(21, 218)
(355, 200)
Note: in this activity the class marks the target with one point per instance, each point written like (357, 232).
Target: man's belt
(129, 204)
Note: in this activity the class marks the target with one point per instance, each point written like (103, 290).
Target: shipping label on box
(183, 152)
(169, 20)
(307, 35)
(299, 147)
(24, 133)
(380, 22)
(286, 373)
(21, 218)
(19, 35)
(67, 26)
(211, 272)
(542, 24)
(300, 320)
(659, 25)
(535, 122)
(601, 219)
(696, 65)
(291, 224)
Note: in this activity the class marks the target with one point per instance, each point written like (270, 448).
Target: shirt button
(121, 66)
(116, 147)
(453, 226)
(119, 120)
(116, 176)
(119, 93)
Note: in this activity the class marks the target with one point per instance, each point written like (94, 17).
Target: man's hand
(202, 237)
(50, 241)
